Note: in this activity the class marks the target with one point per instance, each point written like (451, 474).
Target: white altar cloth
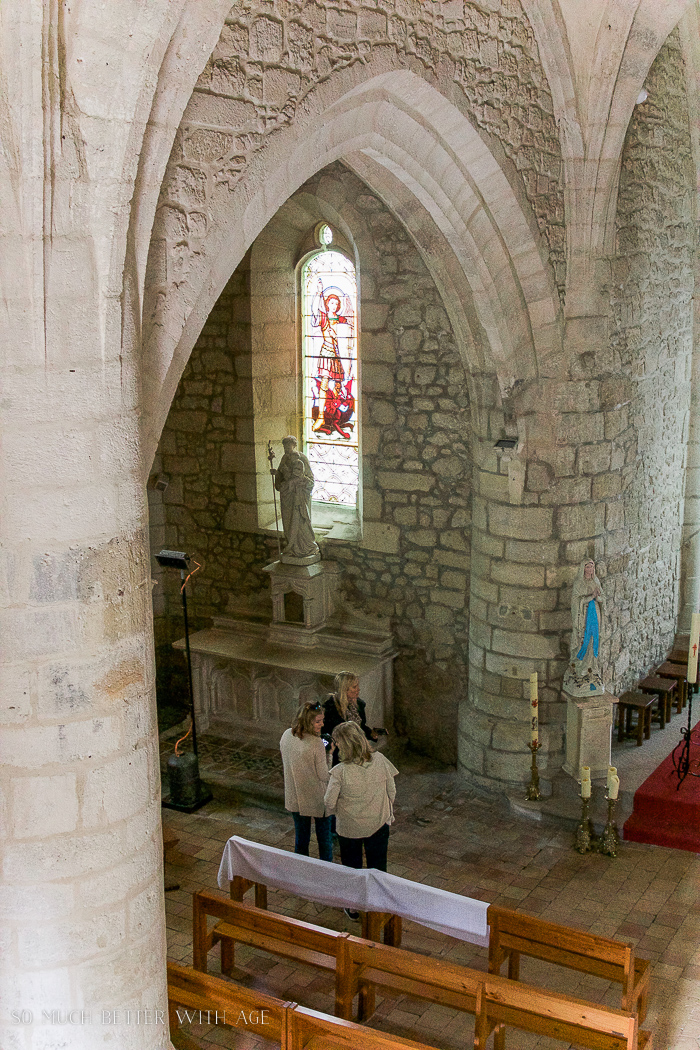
(364, 889)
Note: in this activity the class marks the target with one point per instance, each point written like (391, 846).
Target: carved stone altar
(252, 669)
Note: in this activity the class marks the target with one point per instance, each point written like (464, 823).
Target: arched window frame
(336, 516)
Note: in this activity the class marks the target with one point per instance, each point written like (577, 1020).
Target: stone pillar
(513, 624)
(83, 925)
(538, 510)
(690, 546)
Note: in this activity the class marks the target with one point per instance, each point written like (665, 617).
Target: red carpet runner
(663, 815)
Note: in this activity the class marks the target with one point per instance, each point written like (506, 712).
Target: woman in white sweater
(361, 792)
(306, 778)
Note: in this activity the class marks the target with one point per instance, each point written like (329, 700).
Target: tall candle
(693, 648)
(612, 772)
(585, 781)
(613, 786)
(534, 719)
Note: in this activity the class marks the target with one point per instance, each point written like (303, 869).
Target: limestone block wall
(412, 560)
(599, 470)
(650, 365)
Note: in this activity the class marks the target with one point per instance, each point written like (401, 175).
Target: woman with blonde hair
(361, 792)
(344, 705)
(306, 778)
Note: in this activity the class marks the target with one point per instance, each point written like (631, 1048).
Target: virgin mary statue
(582, 676)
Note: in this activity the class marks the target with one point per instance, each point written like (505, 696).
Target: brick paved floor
(447, 836)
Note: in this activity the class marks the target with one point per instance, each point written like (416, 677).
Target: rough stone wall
(416, 470)
(651, 296)
(272, 59)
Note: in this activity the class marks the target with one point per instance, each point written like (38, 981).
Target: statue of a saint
(294, 480)
(582, 676)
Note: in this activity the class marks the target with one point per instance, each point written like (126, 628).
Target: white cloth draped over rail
(364, 889)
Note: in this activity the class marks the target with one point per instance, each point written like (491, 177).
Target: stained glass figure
(331, 438)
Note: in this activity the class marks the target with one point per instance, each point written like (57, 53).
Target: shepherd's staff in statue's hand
(273, 472)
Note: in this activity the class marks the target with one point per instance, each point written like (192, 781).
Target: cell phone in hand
(381, 732)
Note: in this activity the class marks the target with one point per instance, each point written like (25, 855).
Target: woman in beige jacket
(306, 778)
(361, 793)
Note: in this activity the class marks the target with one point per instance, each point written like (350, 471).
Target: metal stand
(533, 791)
(681, 764)
(610, 839)
(585, 835)
(200, 793)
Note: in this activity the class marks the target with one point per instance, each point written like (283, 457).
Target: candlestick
(533, 791)
(693, 643)
(610, 839)
(534, 703)
(585, 838)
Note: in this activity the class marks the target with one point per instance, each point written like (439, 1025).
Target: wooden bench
(374, 924)
(556, 1016)
(245, 924)
(641, 703)
(513, 934)
(370, 964)
(309, 1028)
(225, 1002)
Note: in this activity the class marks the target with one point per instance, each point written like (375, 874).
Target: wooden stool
(664, 688)
(679, 672)
(642, 703)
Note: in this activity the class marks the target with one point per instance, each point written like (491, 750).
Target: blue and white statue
(582, 676)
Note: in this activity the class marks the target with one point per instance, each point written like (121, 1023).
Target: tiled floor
(446, 835)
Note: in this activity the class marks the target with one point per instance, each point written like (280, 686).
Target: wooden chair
(556, 1016)
(311, 1029)
(225, 1002)
(513, 934)
(641, 704)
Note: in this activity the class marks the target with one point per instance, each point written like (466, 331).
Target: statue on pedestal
(294, 480)
(582, 676)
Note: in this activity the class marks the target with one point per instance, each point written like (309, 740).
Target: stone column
(538, 510)
(83, 926)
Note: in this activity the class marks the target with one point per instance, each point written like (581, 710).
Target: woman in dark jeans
(361, 793)
(344, 705)
(306, 778)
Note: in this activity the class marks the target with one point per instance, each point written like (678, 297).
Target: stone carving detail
(274, 700)
(231, 695)
(271, 56)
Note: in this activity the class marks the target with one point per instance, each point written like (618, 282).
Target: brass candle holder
(533, 791)
(585, 835)
(610, 839)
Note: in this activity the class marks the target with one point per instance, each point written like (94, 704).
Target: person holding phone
(345, 705)
(306, 778)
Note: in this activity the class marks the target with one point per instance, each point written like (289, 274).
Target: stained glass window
(329, 349)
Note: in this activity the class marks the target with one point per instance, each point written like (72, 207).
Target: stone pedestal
(588, 731)
(315, 586)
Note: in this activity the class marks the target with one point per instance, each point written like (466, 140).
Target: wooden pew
(370, 964)
(375, 924)
(308, 1028)
(246, 924)
(221, 1002)
(503, 1002)
(513, 934)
